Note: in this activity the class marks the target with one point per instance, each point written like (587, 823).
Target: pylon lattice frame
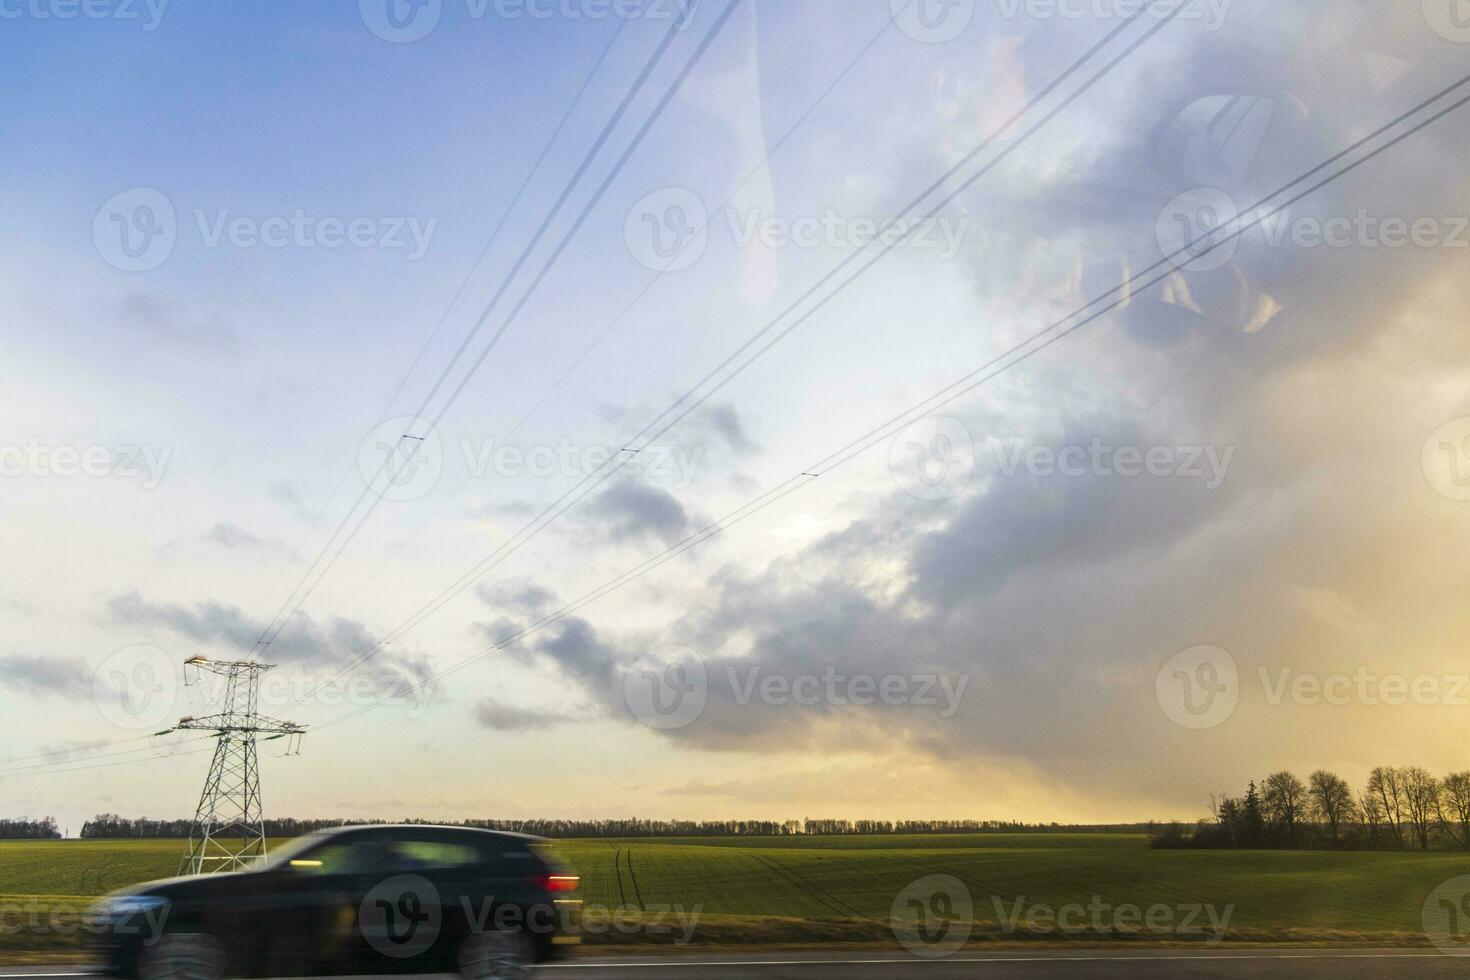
(228, 831)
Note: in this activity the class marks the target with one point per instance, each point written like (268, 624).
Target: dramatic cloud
(1275, 390)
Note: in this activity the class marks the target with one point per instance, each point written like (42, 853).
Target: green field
(842, 889)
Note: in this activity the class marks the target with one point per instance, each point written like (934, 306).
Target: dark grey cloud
(725, 421)
(304, 642)
(318, 648)
(500, 717)
(630, 511)
(46, 674)
(517, 595)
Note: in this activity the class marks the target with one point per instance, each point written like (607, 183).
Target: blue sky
(252, 376)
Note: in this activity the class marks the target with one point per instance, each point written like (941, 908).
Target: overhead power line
(307, 584)
(1112, 299)
(590, 482)
(469, 276)
(776, 147)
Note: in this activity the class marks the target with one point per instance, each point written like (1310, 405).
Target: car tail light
(561, 883)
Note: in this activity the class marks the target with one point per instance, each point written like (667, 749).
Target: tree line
(1399, 808)
(112, 826)
(27, 829)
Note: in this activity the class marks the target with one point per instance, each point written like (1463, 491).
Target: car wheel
(183, 956)
(495, 955)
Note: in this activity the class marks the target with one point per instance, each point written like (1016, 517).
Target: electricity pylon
(228, 832)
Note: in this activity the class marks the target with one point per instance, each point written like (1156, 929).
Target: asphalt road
(1392, 964)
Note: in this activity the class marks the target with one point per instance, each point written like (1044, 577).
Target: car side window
(345, 857)
(411, 855)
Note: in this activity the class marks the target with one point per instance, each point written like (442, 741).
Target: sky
(254, 394)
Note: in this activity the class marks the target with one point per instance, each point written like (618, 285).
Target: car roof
(427, 831)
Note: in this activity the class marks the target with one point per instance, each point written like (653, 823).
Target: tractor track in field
(618, 872)
(812, 890)
(633, 878)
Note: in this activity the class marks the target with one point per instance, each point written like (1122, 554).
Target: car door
(409, 919)
(469, 888)
(314, 905)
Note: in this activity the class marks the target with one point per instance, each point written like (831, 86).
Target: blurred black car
(381, 899)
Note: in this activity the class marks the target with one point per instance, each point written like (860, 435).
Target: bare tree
(1331, 801)
(1421, 795)
(1370, 811)
(1454, 794)
(1386, 786)
(1284, 799)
